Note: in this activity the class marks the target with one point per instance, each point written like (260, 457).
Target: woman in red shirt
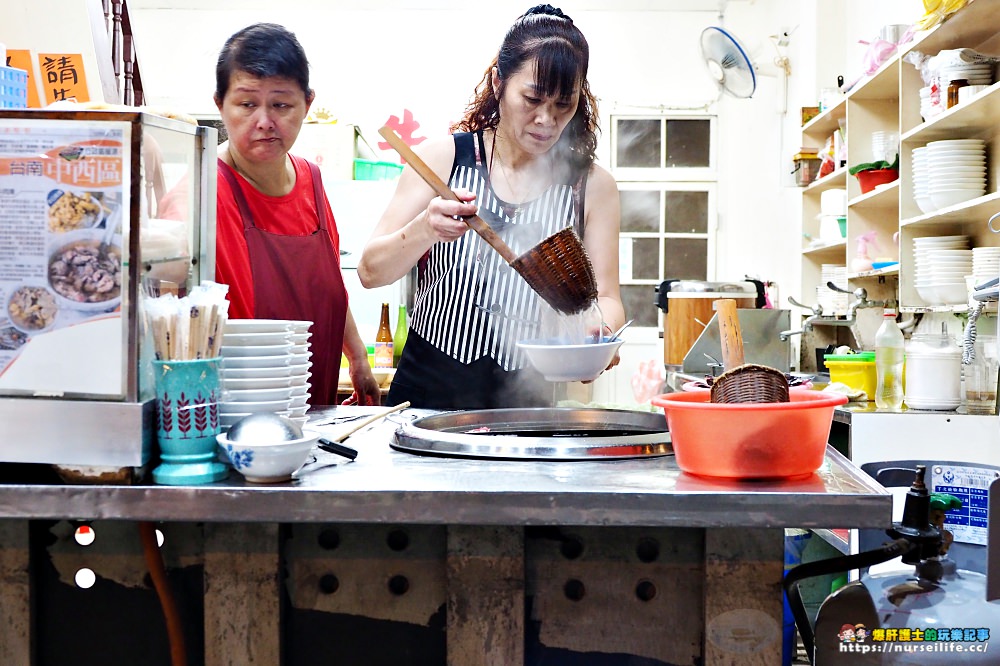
(277, 245)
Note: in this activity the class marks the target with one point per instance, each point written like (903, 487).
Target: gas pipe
(936, 615)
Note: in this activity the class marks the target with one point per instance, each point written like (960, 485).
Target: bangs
(557, 68)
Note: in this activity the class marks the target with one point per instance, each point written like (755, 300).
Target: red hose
(158, 572)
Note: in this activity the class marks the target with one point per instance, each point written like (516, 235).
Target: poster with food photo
(62, 199)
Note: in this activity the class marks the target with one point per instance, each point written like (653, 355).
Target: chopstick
(371, 419)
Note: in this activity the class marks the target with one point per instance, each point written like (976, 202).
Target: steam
(571, 329)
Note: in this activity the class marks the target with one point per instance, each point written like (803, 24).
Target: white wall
(371, 60)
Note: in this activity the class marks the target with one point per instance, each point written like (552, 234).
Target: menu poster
(63, 199)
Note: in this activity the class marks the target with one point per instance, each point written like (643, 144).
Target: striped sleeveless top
(468, 302)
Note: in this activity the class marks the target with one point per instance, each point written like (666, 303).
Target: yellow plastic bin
(854, 370)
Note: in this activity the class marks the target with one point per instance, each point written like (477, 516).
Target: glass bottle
(953, 91)
(399, 337)
(383, 341)
(889, 356)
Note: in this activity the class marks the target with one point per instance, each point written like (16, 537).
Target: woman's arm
(414, 220)
(366, 389)
(602, 212)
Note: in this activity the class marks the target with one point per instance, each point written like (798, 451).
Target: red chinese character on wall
(405, 128)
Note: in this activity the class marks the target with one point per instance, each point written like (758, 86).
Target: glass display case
(99, 209)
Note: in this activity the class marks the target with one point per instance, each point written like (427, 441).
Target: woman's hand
(443, 216)
(366, 390)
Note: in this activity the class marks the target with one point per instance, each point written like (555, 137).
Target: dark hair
(547, 38)
(262, 50)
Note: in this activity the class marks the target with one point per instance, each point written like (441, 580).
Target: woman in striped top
(523, 159)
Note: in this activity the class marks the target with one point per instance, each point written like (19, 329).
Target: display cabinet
(99, 209)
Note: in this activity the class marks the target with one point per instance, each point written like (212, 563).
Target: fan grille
(728, 62)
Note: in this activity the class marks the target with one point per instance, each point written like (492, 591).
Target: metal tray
(560, 433)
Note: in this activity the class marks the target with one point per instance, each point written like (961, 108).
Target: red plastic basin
(751, 441)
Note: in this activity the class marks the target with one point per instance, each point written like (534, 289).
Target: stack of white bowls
(265, 368)
(985, 264)
(930, 102)
(834, 303)
(956, 171)
(941, 264)
(921, 181)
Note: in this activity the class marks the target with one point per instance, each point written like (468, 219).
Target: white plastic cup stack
(885, 146)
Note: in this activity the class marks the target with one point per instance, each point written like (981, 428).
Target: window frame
(668, 179)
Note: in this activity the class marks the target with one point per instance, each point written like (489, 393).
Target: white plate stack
(956, 171)
(265, 369)
(941, 264)
(834, 303)
(985, 264)
(976, 73)
(921, 181)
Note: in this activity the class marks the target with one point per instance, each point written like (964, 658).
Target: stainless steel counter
(389, 486)
(367, 553)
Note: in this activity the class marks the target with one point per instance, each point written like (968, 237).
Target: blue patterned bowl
(268, 462)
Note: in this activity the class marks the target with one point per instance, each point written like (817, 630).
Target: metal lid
(559, 433)
(702, 288)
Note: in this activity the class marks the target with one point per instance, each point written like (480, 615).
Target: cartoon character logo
(846, 634)
(860, 633)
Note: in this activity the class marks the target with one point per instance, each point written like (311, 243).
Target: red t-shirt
(292, 215)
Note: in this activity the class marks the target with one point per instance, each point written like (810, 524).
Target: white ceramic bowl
(298, 411)
(269, 463)
(244, 362)
(257, 326)
(227, 419)
(255, 407)
(301, 420)
(946, 198)
(258, 394)
(280, 349)
(248, 383)
(569, 363)
(952, 293)
(229, 372)
(256, 339)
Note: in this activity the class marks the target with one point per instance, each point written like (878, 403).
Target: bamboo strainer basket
(743, 382)
(557, 268)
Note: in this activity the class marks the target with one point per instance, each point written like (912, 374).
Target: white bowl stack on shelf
(921, 181)
(956, 171)
(941, 264)
(985, 265)
(834, 303)
(265, 369)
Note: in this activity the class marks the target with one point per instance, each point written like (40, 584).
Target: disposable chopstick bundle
(188, 328)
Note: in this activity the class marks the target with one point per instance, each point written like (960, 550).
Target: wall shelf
(889, 101)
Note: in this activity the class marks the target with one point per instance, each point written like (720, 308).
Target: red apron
(298, 277)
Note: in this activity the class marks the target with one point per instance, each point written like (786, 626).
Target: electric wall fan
(728, 63)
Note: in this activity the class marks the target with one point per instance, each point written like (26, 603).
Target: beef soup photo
(85, 273)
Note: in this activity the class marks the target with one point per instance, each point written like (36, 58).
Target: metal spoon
(619, 331)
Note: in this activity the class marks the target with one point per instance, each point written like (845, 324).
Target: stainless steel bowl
(264, 428)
